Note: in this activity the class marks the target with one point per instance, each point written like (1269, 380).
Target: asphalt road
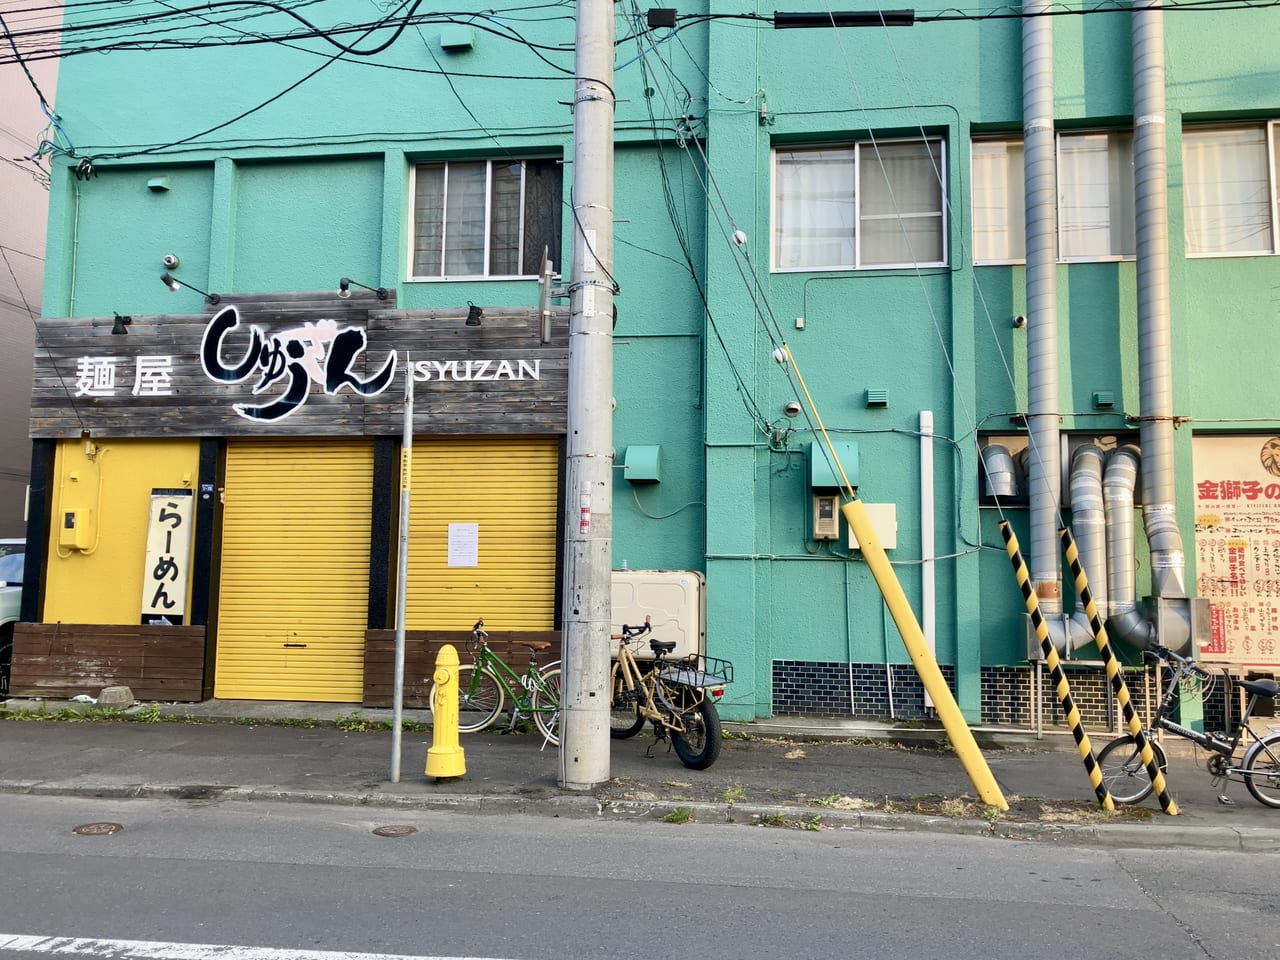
(207, 880)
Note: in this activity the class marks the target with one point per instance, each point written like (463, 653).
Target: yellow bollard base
(446, 762)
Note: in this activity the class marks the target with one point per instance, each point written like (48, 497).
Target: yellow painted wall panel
(509, 488)
(293, 601)
(109, 483)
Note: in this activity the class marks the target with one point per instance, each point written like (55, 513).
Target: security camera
(170, 261)
(1019, 321)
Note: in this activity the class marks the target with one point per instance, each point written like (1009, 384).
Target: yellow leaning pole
(962, 740)
(1120, 688)
(1060, 683)
(975, 765)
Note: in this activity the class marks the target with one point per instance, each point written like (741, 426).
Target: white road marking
(158, 950)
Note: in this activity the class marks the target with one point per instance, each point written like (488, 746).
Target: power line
(24, 253)
(18, 57)
(40, 340)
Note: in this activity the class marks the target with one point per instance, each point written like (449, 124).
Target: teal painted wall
(315, 185)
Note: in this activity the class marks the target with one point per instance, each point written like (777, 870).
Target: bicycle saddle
(534, 644)
(662, 647)
(1261, 688)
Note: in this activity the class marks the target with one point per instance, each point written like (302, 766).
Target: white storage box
(675, 600)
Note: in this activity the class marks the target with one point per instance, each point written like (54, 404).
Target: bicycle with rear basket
(485, 685)
(677, 696)
(1126, 777)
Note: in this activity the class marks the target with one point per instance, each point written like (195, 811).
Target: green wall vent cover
(642, 464)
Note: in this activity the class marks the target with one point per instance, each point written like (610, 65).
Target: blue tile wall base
(842, 690)
(869, 691)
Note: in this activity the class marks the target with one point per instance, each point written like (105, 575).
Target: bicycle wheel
(1262, 770)
(480, 698)
(699, 745)
(545, 703)
(624, 711)
(1123, 772)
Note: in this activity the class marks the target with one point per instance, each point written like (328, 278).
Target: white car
(12, 556)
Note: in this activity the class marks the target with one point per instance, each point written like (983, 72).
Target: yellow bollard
(445, 758)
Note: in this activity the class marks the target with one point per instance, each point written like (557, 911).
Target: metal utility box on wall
(675, 600)
(75, 532)
(822, 468)
(826, 516)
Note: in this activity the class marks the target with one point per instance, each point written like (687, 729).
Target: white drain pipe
(928, 601)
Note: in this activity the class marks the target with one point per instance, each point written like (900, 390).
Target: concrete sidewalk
(799, 773)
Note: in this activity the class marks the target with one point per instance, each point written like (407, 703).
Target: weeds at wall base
(151, 713)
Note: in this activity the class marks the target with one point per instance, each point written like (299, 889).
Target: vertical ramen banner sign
(168, 563)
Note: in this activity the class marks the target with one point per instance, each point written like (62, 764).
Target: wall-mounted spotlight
(173, 283)
(345, 284)
(121, 325)
(474, 314)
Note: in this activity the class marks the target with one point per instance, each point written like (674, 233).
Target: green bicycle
(485, 685)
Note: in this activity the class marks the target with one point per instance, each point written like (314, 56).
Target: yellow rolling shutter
(292, 608)
(508, 488)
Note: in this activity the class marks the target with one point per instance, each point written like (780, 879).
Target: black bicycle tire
(1268, 748)
(486, 716)
(693, 755)
(625, 718)
(548, 688)
(1124, 774)
(634, 722)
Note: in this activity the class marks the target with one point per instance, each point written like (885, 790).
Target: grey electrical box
(826, 516)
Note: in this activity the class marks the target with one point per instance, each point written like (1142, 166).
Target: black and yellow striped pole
(1118, 686)
(1055, 668)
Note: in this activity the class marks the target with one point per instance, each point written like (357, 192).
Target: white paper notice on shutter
(464, 544)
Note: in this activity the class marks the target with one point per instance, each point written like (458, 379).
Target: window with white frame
(485, 218)
(863, 205)
(1229, 190)
(999, 217)
(1095, 198)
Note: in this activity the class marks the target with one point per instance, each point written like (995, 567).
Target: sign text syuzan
(426, 370)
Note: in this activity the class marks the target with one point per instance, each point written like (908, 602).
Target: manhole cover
(394, 830)
(97, 829)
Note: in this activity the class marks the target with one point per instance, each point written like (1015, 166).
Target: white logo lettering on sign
(426, 370)
(319, 352)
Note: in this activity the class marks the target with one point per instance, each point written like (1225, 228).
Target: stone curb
(1156, 835)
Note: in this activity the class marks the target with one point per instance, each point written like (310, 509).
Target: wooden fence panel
(420, 650)
(62, 660)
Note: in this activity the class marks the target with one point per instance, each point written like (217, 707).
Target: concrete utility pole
(584, 719)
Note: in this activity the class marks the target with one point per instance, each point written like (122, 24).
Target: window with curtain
(861, 205)
(1229, 195)
(999, 203)
(1095, 197)
(485, 218)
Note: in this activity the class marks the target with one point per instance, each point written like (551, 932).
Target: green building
(1016, 268)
